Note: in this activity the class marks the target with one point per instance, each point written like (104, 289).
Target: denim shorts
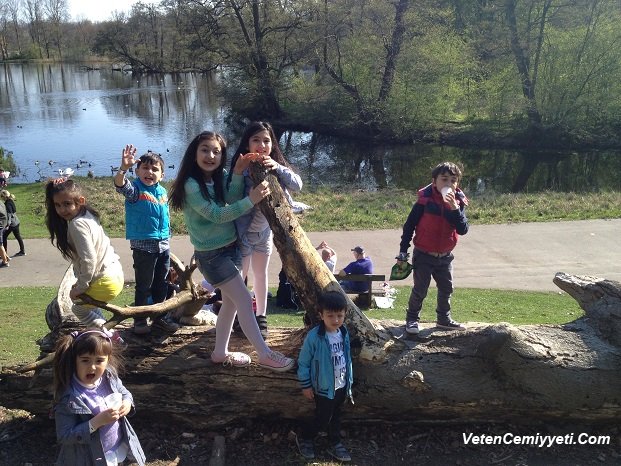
(219, 265)
(254, 241)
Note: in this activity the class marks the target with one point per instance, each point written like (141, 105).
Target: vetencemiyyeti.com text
(538, 440)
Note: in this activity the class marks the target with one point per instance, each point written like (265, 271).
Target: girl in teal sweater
(209, 209)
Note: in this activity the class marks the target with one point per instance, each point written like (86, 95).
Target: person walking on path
(4, 224)
(9, 203)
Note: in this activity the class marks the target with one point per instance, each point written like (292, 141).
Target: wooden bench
(364, 299)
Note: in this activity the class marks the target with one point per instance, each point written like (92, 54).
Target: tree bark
(488, 373)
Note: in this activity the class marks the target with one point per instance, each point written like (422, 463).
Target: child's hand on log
(308, 393)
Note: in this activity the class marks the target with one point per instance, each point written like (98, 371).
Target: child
(147, 227)
(325, 374)
(9, 203)
(4, 224)
(90, 424)
(254, 232)
(209, 210)
(437, 218)
(74, 228)
(328, 255)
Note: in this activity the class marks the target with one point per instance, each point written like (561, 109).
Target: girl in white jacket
(75, 230)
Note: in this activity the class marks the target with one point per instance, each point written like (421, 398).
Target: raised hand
(245, 160)
(128, 157)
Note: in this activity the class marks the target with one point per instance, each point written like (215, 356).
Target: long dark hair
(190, 169)
(56, 225)
(253, 128)
(69, 347)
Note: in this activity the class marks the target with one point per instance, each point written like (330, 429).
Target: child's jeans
(150, 271)
(441, 269)
(327, 417)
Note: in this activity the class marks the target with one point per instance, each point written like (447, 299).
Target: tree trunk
(490, 372)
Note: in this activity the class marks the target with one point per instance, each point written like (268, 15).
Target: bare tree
(526, 45)
(36, 30)
(14, 7)
(57, 12)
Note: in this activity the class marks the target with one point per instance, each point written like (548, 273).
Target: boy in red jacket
(438, 217)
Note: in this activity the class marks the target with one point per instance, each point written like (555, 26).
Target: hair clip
(57, 181)
(104, 332)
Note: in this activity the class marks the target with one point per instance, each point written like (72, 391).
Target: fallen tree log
(488, 373)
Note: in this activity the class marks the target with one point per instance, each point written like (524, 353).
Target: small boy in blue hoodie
(147, 227)
(325, 375)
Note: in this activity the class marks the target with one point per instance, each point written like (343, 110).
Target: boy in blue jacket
(147, 227)
(325, 375)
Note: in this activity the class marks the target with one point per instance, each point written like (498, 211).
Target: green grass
(23, 313)
(469, 305)
(348, 210)
(23, 322)
(23, 309)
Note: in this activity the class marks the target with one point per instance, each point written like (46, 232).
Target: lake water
(54, 117)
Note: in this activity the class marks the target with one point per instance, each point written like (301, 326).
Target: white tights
(236, 297)
(259, 263)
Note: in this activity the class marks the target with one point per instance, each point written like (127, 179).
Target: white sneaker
(277, 362)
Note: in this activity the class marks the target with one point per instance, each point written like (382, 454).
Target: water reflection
(62, 116)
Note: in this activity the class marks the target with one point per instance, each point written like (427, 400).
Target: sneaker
(450, 325)
(4, 264)
(234, 359)
(114, 335)
(20, 253)
(411, 327)
(277, 362)
(339, 452)
(165, 323)
(305, 447)
(141, 326)
(116, 338)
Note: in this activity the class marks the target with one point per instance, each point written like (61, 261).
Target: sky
(99, 10)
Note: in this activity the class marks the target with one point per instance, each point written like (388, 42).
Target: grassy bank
(333, 209)
(23, 314)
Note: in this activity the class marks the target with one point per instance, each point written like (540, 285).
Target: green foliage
(7, 163)
(349, 210)
(455, 69)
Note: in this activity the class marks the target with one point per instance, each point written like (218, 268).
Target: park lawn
(23, 313)
(349, 209)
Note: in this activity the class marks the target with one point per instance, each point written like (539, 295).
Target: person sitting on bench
(361, 265)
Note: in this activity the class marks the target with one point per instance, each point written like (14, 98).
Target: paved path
(523, 256)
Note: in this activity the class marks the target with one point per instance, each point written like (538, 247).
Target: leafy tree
(7, 163)
(265, 44)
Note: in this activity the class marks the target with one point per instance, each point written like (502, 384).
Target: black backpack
(285, 295)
